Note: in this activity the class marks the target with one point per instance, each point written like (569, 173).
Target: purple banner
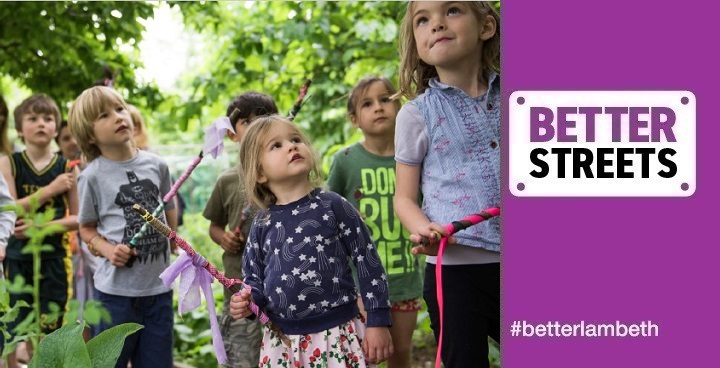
(576, 268)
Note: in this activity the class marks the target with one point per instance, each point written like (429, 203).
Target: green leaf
(72, 310)
(105, 348)
(93, 312)
(18, 286)
(64, 347)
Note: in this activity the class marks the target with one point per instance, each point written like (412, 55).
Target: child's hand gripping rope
(456, 226)
(451, 228)
(190, 281)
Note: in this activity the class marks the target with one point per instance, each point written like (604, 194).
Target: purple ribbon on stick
(194, 280)
(214, 135)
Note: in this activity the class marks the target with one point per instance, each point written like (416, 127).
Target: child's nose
(117, 116)
(438, 25)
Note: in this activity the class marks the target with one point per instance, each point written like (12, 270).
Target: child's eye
(119, 109)
(275, 145)
(420, 21)
(296, 140)
(386, 100)
(365, 104)
(453, 10)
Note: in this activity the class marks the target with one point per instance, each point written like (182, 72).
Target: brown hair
(415, 74)
(356, 93)
(250, 158)
(38, 103)
(85, 111)
(251, 103)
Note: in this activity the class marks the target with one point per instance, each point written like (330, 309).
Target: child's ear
(353, 121)
(488, 28)
(262, 179)
(233, 137)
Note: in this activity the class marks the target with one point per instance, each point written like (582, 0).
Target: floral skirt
(338, 347)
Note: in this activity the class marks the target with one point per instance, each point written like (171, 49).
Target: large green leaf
(105, 348)
(64, 347)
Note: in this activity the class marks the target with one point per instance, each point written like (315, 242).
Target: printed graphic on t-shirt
(145, 193)
(376, 206)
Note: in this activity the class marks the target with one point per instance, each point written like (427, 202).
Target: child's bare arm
(216, 232)
(62, 183)
(7, 217)
(70, 221)
(117, 254)
(6, 171)
(228, 240)
(172, 218)
(43, 195)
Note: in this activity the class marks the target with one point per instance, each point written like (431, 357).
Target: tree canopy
(60, 48)
(273, 47)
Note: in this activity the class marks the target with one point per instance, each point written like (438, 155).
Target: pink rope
(217, 274)
(182, 178)
(439, 291)
(452, 229)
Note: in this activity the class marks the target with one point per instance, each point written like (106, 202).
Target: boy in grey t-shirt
(117, 176)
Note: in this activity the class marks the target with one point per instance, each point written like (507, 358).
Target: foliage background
(60, 48)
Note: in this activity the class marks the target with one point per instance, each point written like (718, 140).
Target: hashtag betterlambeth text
(583, 329)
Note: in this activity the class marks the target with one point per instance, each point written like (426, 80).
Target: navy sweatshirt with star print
(297, 262)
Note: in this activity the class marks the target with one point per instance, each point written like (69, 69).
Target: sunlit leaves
(59, 48)
(274, 46)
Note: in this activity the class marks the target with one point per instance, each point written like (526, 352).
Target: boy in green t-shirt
(364, 173)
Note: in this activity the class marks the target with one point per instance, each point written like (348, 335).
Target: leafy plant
(65, 347)
(38, 228)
